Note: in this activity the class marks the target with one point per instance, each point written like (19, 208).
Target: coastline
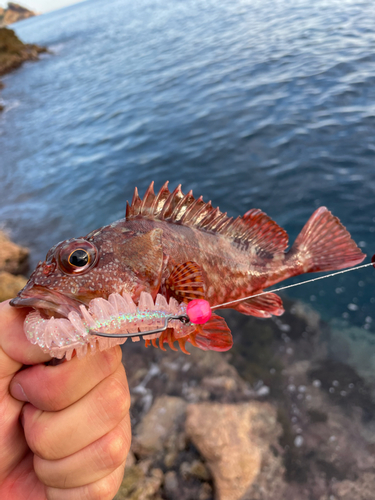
(13, 53)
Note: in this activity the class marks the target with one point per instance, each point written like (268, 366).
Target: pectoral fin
(186, 282)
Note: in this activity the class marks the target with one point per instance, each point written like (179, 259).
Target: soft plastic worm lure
(111, 322)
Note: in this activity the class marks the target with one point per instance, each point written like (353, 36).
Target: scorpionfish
(172, 244)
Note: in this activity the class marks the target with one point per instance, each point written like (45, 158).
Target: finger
(91, 464)
(52, 388)
(54, 435)
(14, 343)
(104, 489)
(13, 445)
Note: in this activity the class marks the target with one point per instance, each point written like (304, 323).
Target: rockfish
(178, 247)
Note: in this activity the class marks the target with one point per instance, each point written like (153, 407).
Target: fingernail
(18, 393)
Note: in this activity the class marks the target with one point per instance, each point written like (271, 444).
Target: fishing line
(294, 285)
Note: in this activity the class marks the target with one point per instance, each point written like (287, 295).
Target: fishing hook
(184, 318)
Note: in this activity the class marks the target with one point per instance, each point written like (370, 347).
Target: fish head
(77, 270)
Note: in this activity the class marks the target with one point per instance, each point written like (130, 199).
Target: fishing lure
(107, 323)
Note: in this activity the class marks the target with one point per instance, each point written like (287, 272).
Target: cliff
(14, 13)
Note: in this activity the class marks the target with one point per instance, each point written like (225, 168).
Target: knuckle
(41, 471)
(43, 388)
(38, 441)
(115, 449)
(110, 359)
(106, 488)
(117, 398)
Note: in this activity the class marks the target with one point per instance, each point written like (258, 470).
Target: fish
(174, 247)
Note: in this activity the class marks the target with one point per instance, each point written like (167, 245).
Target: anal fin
(262, 307)
(186, 282)
(213, 335)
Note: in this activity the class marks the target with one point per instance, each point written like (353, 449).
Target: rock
(235, 441)
(195, 469)
(13, 52)
(14, 13)
(158, 429)
(171, 485)
(10, 285)
(362, 489)
(14, 259)
(137, 486)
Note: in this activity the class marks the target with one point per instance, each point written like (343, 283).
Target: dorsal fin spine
(172, 200)
(201, 213)
(148, 200)
(176, 214)
(208, 219)
(136, 202)
(189, 214)
(160, 198)
(220, 221)
(255, 228)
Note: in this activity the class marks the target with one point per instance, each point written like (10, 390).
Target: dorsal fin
(255, 229)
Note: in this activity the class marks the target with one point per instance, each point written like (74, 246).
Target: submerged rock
(236, 442)
(138, 485)
(362, 489)
(158, 429)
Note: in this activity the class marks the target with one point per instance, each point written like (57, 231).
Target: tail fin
(325, 245)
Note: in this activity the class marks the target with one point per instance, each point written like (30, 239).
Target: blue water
(267, 104)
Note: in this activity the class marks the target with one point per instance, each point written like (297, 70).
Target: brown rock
(158, 429)
(171, 486)
(235, 440)
(13, 52)
(362, 489)
(137, 486)
(10, 285)
(13, 13)
(14, 259)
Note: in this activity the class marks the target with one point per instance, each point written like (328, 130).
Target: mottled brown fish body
(181, 247)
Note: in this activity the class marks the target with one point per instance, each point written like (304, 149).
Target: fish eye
(77, 256)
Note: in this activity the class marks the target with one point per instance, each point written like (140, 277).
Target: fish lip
(40, 297)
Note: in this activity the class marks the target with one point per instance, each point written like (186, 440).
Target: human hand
(75, 433)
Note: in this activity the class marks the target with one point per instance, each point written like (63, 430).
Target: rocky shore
(14, 264)
(13, 52)
(280, 416)
(14, 13)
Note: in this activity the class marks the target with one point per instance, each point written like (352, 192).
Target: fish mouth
(50, 301)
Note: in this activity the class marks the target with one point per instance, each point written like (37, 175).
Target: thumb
(15, 349)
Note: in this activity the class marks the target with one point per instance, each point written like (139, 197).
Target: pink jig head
(199, 311)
